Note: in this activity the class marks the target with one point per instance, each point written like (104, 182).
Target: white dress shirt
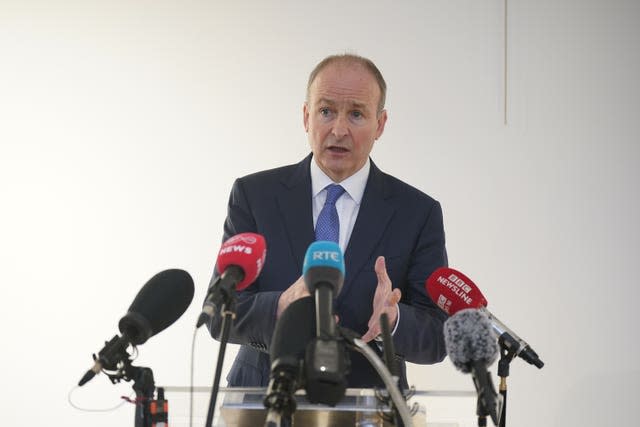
(347, 205)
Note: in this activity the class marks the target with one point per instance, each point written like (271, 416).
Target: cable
(392, 388)
(193, 347)
(73, 405)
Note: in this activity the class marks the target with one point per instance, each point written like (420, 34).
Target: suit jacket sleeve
(255, 311)
(419, 337)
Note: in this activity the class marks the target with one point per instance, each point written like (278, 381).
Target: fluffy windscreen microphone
(472, 347)
(469, 338)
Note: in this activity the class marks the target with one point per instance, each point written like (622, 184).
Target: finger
(381, 272)
(373, 320)
(369, 335)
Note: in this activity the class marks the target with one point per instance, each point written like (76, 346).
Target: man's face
(342, 120)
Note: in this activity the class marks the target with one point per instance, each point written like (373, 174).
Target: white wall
(123, 125)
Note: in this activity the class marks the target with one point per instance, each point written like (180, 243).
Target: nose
(340, 127)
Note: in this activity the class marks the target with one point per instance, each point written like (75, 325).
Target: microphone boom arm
(522, 349)
(392, 387)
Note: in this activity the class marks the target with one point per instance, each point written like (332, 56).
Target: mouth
(337, 150)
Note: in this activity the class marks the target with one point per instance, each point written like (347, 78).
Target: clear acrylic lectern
(243, 407)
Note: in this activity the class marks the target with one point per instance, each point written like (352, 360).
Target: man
(391, 234)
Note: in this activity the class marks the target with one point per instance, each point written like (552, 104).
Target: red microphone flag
(452, 291)
(246, 250)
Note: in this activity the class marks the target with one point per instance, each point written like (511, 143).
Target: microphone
(325, 360)
(323, 272)
(294, 330)
(160, 302)
(452, 291)
(240, 260)
(471, 346)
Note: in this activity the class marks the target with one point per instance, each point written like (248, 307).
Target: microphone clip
(221, 296)
(326, 365)
(112, 357)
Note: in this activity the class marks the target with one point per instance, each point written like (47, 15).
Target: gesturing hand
(384, 301)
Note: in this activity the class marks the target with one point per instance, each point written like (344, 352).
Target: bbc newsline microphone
(239, 263)
(452, 291)
(160, 302)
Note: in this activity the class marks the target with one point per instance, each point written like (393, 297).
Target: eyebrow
(356, 104)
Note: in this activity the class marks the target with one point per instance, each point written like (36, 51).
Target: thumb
(394, 297)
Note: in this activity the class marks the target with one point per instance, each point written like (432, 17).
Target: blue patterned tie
(328, 224)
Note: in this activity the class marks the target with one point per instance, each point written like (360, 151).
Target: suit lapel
(373, 218)
(295, 206)
(295, 210)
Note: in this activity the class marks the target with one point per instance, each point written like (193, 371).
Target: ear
(305, 116)
(382, 120)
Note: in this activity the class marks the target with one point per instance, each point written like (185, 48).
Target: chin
(335, 167)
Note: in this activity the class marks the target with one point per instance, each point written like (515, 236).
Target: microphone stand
(388, 352)
(355, 343)
(481, 412)
(144, 387)
(325, 361)
(279, 400)
(508, 350)
(143, 382)
(488, 401)
(228, 311)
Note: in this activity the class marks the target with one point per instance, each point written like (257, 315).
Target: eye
(324, 112)
(357, 114)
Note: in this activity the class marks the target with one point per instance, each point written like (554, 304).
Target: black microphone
(472, 347)
(160, 302)
(388, 348)
(326, 363)
(294, 330)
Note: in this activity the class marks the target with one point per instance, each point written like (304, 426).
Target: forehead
(339, 83)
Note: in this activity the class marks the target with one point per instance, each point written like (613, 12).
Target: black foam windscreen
(160, 302)
(295, 328)
(469, 338)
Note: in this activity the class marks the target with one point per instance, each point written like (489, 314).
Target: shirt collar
(353, 185)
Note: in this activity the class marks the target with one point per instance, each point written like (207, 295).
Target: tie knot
(334, 191)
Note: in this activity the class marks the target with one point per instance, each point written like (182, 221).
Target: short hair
(350, 59)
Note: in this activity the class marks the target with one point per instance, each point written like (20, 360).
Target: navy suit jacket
(394, 220)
